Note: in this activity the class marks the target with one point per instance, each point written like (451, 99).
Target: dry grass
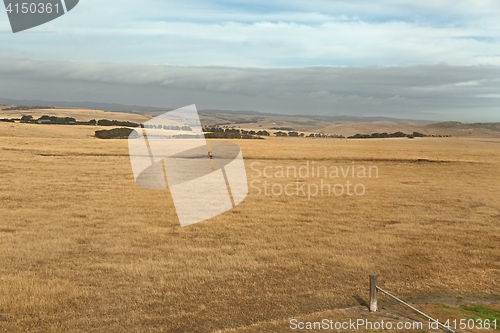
(79, 114)
(85, 250)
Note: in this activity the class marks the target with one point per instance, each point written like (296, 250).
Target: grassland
(80, 114)
(83, 249)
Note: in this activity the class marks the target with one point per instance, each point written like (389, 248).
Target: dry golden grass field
(79, 114)
(83, 249)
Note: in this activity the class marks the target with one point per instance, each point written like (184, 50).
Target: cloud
(439, 92)
(269, 34)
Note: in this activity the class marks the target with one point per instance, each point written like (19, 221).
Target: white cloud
(270, 34)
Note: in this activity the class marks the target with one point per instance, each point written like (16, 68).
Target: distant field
(272, 123)
(79, 114)
(83, 249)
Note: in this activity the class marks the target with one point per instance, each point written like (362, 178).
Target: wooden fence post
(373, 293)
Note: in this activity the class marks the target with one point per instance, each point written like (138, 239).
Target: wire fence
(374, 288)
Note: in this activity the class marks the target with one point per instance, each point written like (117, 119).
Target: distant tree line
(169, 127)
(291, 133)
(387, 135)
(312, 135)
(115, 133)
(232, 133)
(106, 122)
(45, 119)
(24, 107)
(210, 131)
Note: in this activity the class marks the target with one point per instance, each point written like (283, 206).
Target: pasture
(83, 249)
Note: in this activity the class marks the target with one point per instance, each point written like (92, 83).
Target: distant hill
(461, 129)
(475, 126)
(341, 125)
(80, 105)
(208, 112)
(449, 124)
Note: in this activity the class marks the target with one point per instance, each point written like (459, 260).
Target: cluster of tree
(258, 133)
(5, 120)
(115, 133)
(45, 119)
(92, 122)
(214, 129)
(323, 135)
(312, 135)
(439, 136)
(292, 134)
(387, 135)
(188, 136)
(24, 107)
(169, 127)
(288, 129)
(106, 122)
(27, 119)
(232, 133)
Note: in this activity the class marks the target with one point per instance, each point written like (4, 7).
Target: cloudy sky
(436, 60)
